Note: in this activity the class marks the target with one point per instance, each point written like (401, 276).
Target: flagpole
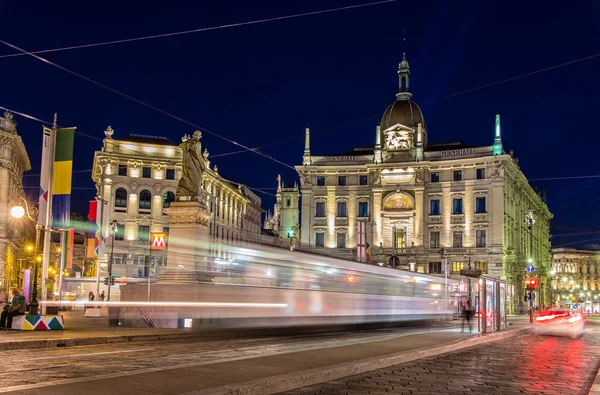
(48, 220)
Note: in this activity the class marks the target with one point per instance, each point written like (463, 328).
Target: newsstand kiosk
(488, 295)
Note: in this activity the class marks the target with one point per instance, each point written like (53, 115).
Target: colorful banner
(361, 241)
(70, 247)
(45, 175)
(62, 174)
(91, 240)
(369, 253)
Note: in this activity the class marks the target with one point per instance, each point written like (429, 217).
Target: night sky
(263, 83)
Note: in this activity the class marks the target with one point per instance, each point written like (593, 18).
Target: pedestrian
(91, 296)
(16, 307)
(467, 315)
(102, 296)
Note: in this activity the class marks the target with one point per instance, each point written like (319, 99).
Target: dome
(402, 111)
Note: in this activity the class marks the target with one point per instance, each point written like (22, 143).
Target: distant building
(426, 204)
(284, 221)
(137, 177)
(576, 278)
(13, 162)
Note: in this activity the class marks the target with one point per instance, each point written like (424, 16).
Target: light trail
(167, 304)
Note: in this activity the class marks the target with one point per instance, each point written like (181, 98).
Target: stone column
(307, 216)
(419, 222)
(188, 245)
(377, 219)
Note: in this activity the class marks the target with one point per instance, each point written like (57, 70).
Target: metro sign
(159, 241)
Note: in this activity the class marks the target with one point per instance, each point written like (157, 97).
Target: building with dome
(425, 207)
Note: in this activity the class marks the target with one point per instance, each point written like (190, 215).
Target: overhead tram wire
(146, 104)
(204, 29)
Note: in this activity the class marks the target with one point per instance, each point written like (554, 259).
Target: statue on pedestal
(193, 164)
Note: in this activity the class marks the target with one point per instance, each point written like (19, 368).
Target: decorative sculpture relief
(398, 139)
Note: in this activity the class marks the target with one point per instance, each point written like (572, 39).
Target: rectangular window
(341, 209)
(320, 181)
(363, 209)
(457, 206)
(434, 240)
(435, 267)
(483, 266)
(288, 203)
(457, 175)
(320, 240)
(457, 266)
(146, 172)
(341, 240)
(320, 209)
(480, 206)
(342, 181)
(435, 176)
(434, 207)
(144, 233)
(120, 235)
(363, 180)
(170, 174)
(122, 170)
(480, 238)
(457, 239)
(480, 174)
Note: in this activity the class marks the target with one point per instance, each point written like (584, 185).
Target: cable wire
(203, 29)
(146, 104)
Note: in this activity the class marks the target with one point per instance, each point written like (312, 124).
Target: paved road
(527, 364)
(44, 366)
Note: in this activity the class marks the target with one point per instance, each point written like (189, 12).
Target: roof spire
(497, 148)
(403, 79)
(306, 158)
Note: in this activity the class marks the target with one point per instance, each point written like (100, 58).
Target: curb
(286, 382)
(595, 390)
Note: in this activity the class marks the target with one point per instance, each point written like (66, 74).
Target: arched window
(121, 198)
(168, 197)
(145, 202)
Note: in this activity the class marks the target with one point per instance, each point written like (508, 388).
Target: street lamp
(114, 227)
(19, 212)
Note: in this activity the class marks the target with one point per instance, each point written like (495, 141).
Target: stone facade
(13, 162)
(137, 177)
(576, 278)
(426, 204)
(284, 222)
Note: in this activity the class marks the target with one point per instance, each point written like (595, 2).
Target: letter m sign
(159, 241)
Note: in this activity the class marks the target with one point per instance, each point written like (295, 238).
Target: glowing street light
(17, 212)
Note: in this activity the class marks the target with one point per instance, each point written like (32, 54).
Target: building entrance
(399, 237)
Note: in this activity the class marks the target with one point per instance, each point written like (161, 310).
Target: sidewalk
(82, 331)
(274, 372)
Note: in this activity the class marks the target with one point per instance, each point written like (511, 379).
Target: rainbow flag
(62, 175)
(369, 252)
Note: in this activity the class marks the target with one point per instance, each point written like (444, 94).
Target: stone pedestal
(188, 244)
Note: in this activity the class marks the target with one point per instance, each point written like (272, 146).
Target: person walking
(91, 296)
(16, 307)
(102, 296)
(467, 315)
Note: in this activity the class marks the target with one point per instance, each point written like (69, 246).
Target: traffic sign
(530, 268)
(575, 306)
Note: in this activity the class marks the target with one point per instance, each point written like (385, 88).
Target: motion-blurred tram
(265, 286)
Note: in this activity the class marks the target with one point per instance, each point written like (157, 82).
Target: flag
(45, 176)
(92, 242)
(62, 174)
(369, 253)
(361, 241)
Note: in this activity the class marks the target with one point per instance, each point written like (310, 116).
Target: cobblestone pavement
(49, 364)
(527, 364)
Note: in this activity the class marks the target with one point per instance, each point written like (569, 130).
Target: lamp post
(114, 227)
(530, 221)
(19, 212)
